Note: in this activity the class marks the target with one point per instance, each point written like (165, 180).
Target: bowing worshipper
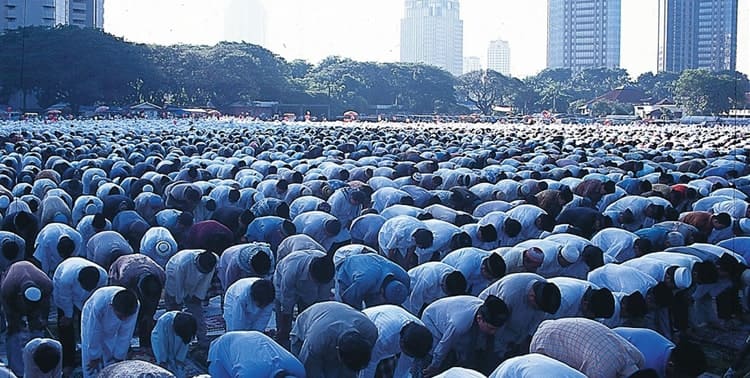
(553, 200)
(706, 223)
(244, 260)
(402, 338)
(350, 250)
(582, 343)
(557, 257)
(229, 357)
(737, 208)
(364, 230)
(534, 365)
(271, 230)
(480, 268)
(301, 279)
(308, 203)
(189, 274)
(42, 358)
(483, 237)
(586, 219)
(12, 249)
(399, 238)
(26, 293)
(91, 225)
(54, 209)
(590, 256)
(661, 238)
(147, 204)
(55, 243)
(431, 281)
(594, 189)
(620, 245)
(533, 221)
(386, 197)
(234, 218)
(247, 304)
(143, 276)
(459, 372)
(86, 205)
(182, 196)
(530, 298)
(134, 369)
(322, 227)
(73, 282)
(297, 242)
(462, 329)
(347, 203)
(412, 211)
(332, 339)
(272, 188)
(370, 279)
(115, 204)
(107, 246)
(270, 207)
(447, 214)
(686, 359)
(24, 224)
(110, 317)
(209, 235)
(580, 298)
(158, 244)
(506, 228)
(170, 339)
(519, 260)
(177, 222)
(446, 237)
(131, 226)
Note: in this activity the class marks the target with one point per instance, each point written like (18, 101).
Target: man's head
(332, 226)
(567, 256)
(354, 350)
(150, 286)
(633, 306)
(262, 292)
(488, 233)
(460, 240)
(532, 259)
(65, 246)
(655, 211)
(454, 283)
(423, 237)
(124, 304)
(545, 296)
(593, 256)
(511, 227)
(642, 246)
(46, 357)
(598, 303)
(415, 340)
(261, 263)
(493, 267)
(184, 326)
(492, 314)
(721, 220)
(394, 291)
(626, 216)
(545, 222)
(206, 262)
(705, 272)
(322, 269)
(88, 277)
(10, 249)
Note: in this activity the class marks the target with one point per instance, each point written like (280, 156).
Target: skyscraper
(697, 34)
(583, 33)
(15, 14)
(472, 63)
(245, 20)
(432, 32)
(498, 57)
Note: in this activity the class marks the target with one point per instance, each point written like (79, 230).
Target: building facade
(472, 63)
(697, 34)
(432, 33)
(15, 14)
(245, 20)
(583, 33)
(498, 57)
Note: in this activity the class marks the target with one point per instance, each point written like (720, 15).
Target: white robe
(240, 311)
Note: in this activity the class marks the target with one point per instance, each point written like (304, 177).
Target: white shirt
(448, 319)
(169, 349)
(616, 242)
(240, 311)
(67, 293)
(389, 320)
(534, 365)
(250, 354)
(468, 261)
(656, 348)
(426, 284)
(183, 277)
(571, 295)
(46, 245)
(622, 278)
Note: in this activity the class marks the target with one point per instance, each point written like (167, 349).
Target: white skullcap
(675, 239)
(745, 225)
(682, 278)
(570, 254)
(33, 294)
(148, 188)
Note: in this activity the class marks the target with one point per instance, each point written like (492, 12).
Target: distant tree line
(88, 66)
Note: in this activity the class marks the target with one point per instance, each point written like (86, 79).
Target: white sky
(368, 30)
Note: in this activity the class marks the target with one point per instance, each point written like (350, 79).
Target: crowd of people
(367, 251)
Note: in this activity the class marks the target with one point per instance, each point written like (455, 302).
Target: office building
(472, 63)
(583, 34)
(15, 14)
(432, 33)
(697, 34)
(245, 20)
(498, 57)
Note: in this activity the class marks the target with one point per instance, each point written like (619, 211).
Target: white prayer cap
(570, 254)
(682, 278)
(33, 294)
(675, 239)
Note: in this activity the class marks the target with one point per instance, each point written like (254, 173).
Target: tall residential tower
(697, 34)
(432, 32)
(16, 14)
(583, 34)
(498, 57)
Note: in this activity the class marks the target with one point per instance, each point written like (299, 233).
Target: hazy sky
(369, 29)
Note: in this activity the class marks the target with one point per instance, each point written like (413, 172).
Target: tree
(484, 89)
(659, 86)
(705, 92)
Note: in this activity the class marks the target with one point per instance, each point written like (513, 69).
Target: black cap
(206, 262)
(89, 277)
(125, 302)
(547, 296)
